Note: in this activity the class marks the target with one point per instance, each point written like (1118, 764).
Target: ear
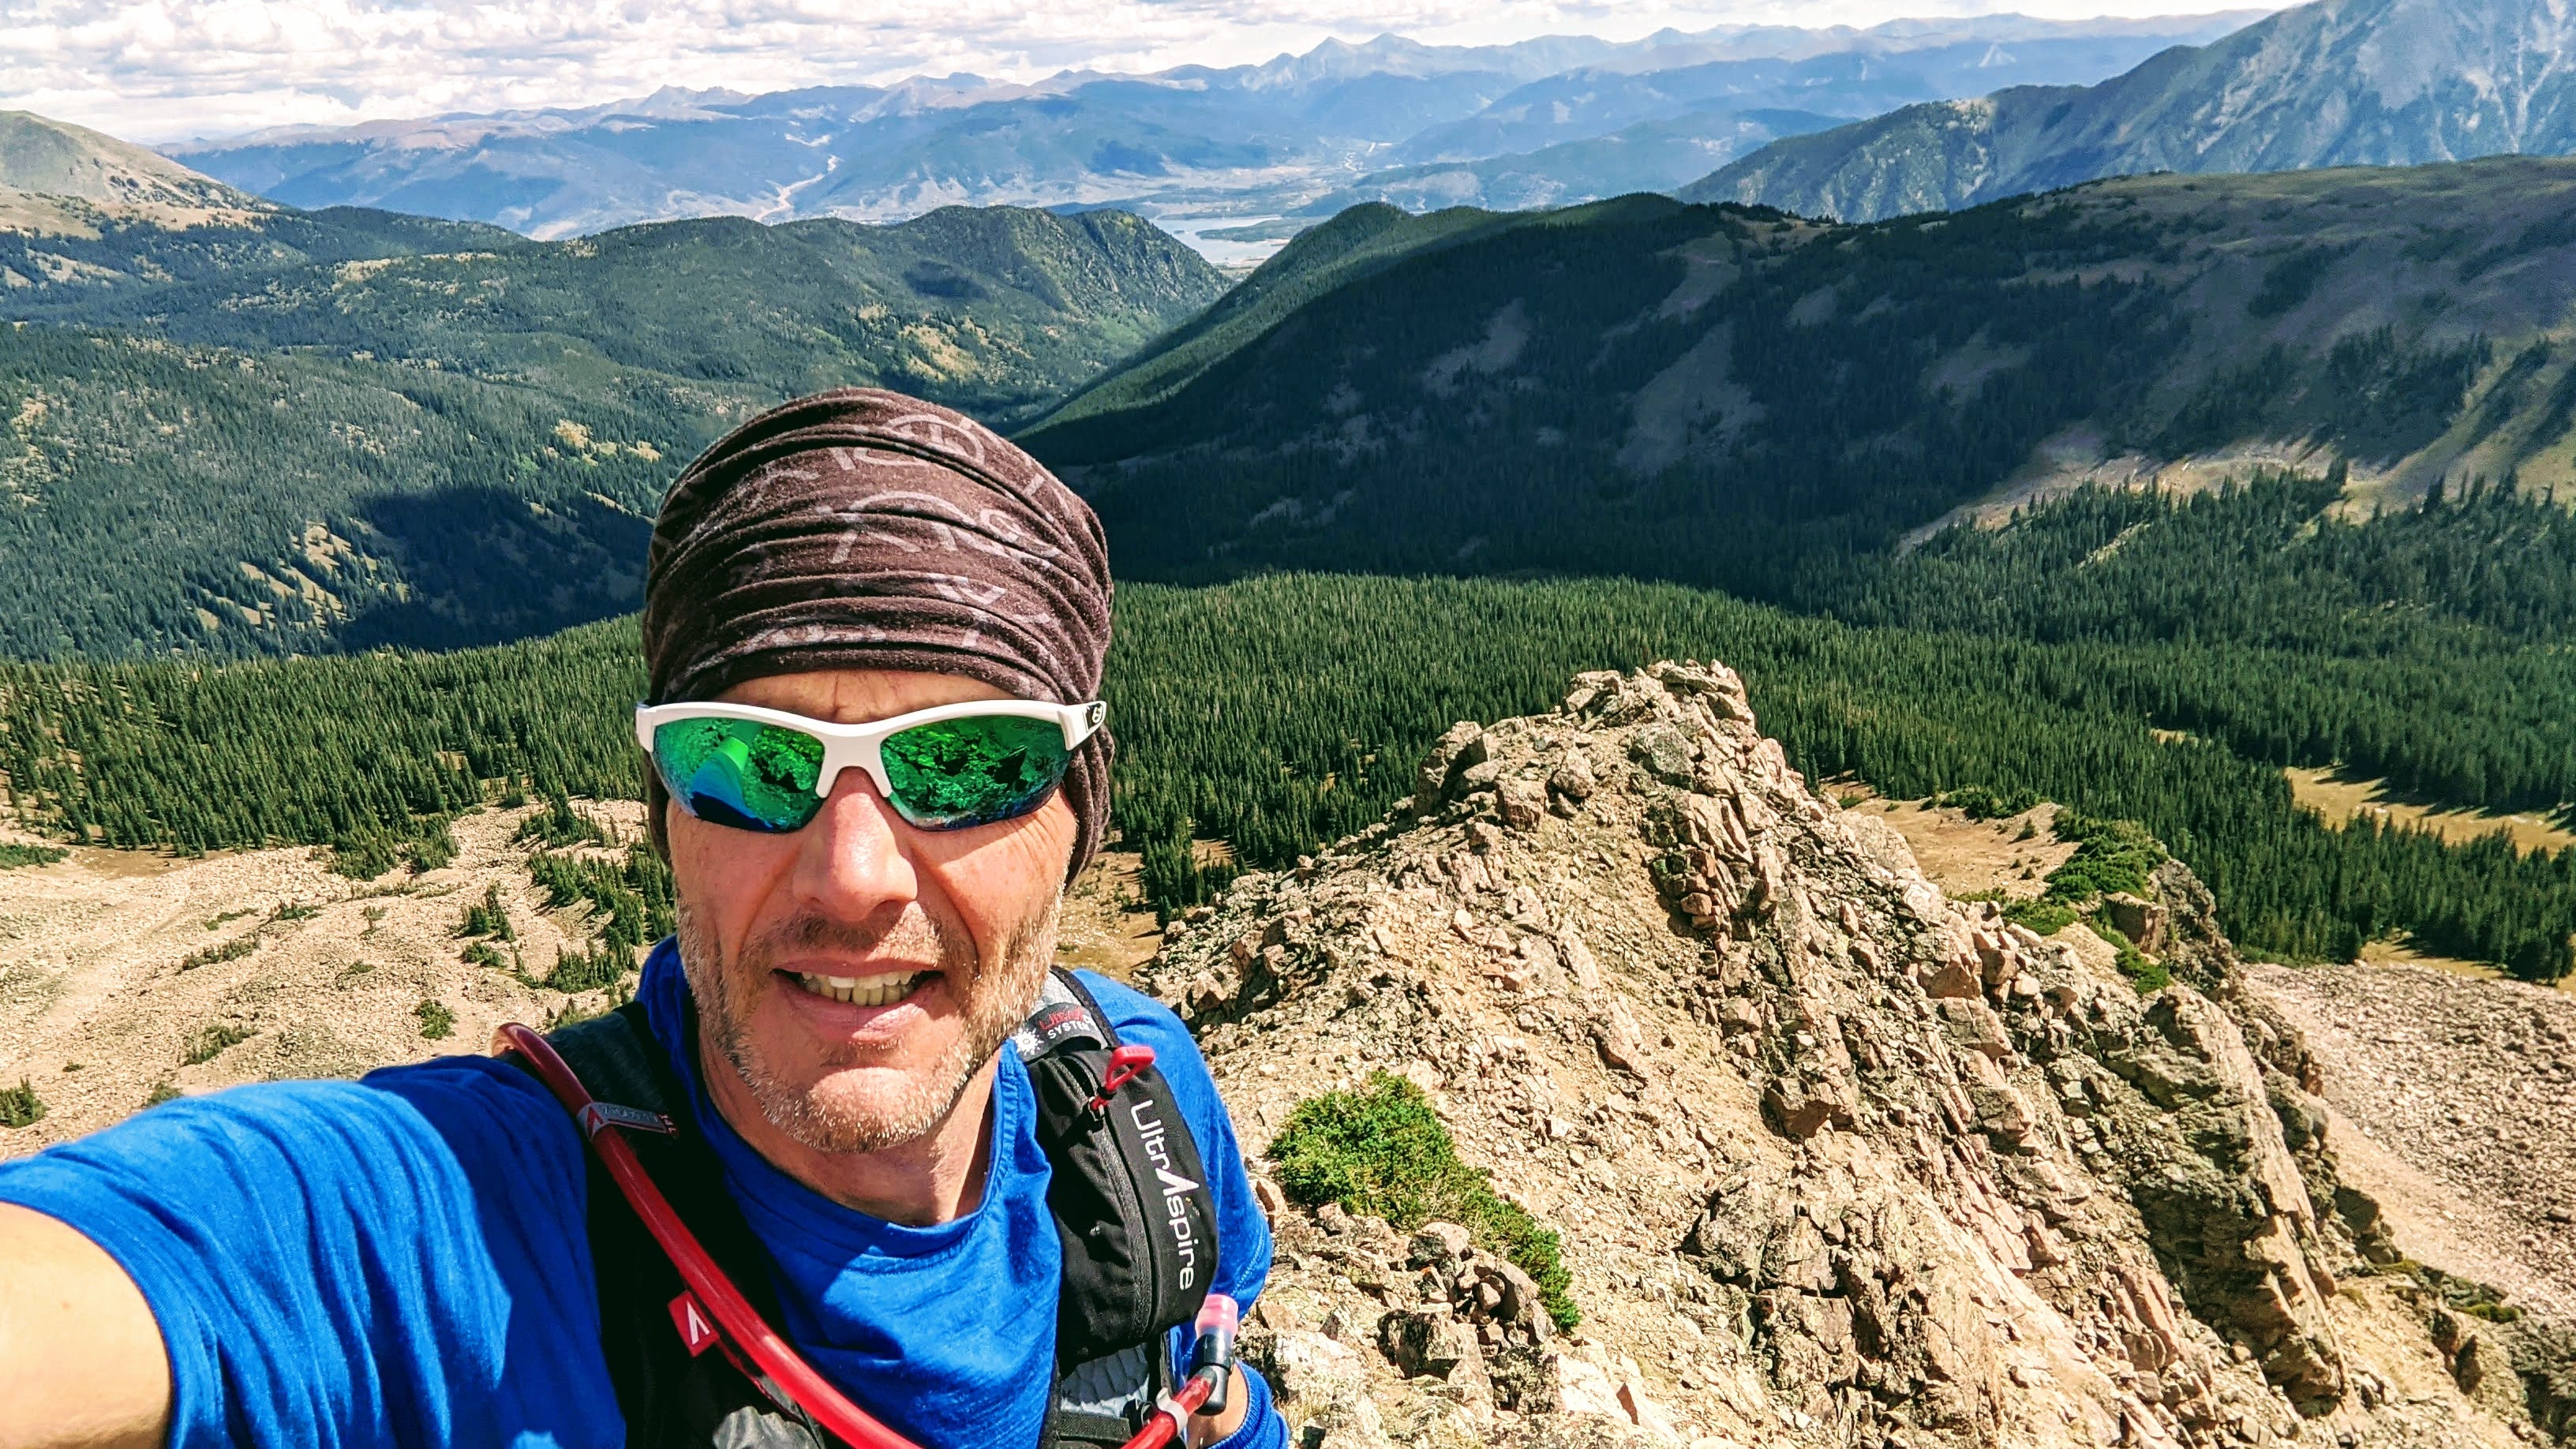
(657, 814)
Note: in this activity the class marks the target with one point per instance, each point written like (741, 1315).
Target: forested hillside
(1285, 712)
(1737, 398)
(320, 431)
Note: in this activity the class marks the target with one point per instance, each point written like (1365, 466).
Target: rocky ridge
(1835, 1160)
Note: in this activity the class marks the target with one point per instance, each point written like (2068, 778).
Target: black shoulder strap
(671, 1398)
(1127, 1190)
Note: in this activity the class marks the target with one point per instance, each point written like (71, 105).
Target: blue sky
(162, 70)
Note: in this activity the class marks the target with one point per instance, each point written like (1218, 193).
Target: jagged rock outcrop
(1835, 1160)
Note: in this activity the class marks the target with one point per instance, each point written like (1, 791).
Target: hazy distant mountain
(63, 178)
(1190, 143)
(2335, 83)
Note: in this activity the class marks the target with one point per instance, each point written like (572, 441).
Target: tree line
(1280, 713)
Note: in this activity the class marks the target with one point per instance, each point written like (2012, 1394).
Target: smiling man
(949, 1178)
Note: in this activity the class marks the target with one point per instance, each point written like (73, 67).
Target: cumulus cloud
(165, 70)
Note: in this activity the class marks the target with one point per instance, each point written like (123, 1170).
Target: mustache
(913, 933)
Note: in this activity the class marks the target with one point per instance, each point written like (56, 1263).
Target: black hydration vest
(1127, 1190)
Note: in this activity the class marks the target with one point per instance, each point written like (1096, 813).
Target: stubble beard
(830, 1115)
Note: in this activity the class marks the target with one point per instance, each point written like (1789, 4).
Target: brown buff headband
(862, 529)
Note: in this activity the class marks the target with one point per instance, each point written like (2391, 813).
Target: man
(866, 917)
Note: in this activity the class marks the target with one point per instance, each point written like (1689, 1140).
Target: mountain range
(1744, 399)
(2333, 83)
(1301, 135)
(241, 428)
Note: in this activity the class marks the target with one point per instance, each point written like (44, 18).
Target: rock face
(1835, 1160)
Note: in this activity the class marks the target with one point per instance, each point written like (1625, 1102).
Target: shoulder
(451, 1117)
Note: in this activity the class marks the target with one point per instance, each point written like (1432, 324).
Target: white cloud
(162, 70)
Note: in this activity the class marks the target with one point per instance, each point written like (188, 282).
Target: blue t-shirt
(403, 1259)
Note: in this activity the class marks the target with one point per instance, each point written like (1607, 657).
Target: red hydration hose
(736, 1320)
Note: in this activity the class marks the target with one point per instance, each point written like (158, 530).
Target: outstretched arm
(81, 1362)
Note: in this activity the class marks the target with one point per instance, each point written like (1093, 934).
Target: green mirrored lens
(974, 771)
(740, 772)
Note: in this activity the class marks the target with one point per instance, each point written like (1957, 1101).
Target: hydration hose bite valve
(1211, 1374)
(1214, 1354)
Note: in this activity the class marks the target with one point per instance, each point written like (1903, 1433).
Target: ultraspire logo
(1176, 1189)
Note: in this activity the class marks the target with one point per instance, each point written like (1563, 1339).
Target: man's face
(947, 933)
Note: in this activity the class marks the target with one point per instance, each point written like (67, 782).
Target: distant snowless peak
(162, 74)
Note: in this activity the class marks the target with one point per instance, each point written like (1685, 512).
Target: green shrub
(362, 857)
(481, 953)
(1980, 803)
(14, 856)
(488, 918)
(573, 1013)
(636, 896)
(436, 1021)
(213, 1041)
(559, 825)
(20, 1106)
(232, 950)
(2110, 856)
(164, 1090)
(1382, 1151)
(2144, 972)
(2046, 917)
(433, 849)
(294, 911)
(604, 964)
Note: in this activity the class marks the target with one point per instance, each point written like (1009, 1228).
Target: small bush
(436, 1021)
(213, 1041)
(434, 848)
(2110, 856)
(481, 953)
(1980, 803)
(487, 918)
(20, 1106)
(362, 857)
(573, 1013)
(1382, 1151)
(232, 950)
(294, 911)
(559, 825)
(2043, 916)
(14, 856)
(603, 964)
(2144, 972)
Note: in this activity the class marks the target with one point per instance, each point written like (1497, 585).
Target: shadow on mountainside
(480, 565)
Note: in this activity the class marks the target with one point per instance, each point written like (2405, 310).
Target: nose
(851, 864)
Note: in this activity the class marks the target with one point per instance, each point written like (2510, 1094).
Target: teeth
(883, 990)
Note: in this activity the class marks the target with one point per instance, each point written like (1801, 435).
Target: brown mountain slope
(60, 179)
(1835, 1161)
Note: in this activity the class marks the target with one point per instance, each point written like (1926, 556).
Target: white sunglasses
(950, 767)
